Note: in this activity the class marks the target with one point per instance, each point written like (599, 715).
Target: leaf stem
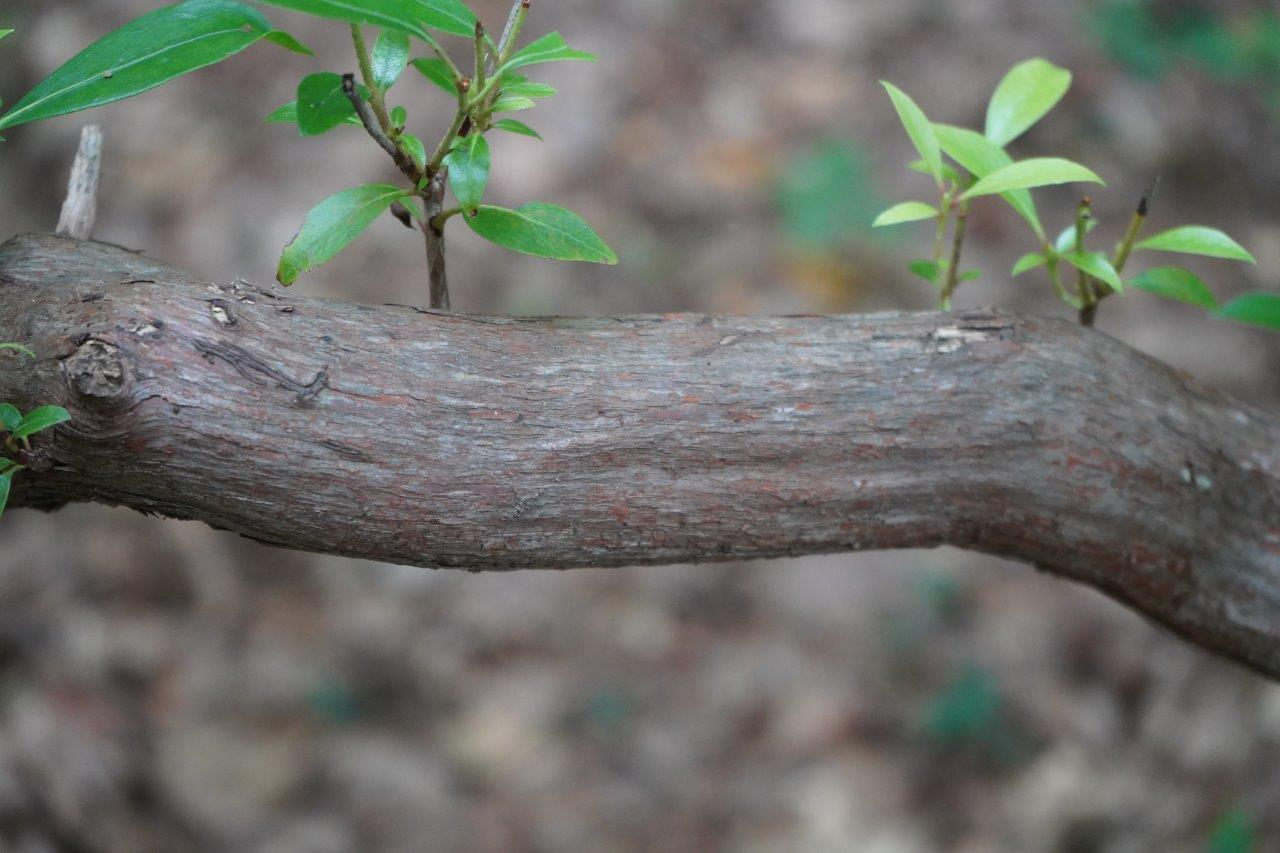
(511, 34)
(1084, 282)
(366, 73)
(439, 51)
(372, 125)
(479, 78)
(957, 244)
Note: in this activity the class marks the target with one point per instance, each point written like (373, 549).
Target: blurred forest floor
(165, 687)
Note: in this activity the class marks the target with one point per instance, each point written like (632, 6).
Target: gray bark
(484, 443)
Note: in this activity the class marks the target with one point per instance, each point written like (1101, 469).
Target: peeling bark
(487, 443)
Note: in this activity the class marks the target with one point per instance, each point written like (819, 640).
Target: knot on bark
(96, 370)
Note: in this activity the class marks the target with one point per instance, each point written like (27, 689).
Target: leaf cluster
(966, 165)
(16, 429)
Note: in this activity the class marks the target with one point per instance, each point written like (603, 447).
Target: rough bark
(483, 443)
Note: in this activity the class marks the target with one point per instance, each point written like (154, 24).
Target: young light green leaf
(4, 33)
(141, 55)
(908, 211)
(1026, 263)
(399, 117)
(512, 103)
(1024, 96)
(543, 230)
(1255, 309)
(416, 150)
(980, 156)
(18, 348)
(970, 275)
(1176, 283)
(321, 104)
(390, 58)
(10, 417)
(930, 271)
(469, 171)
(437, 72)
(407, 16)
(528, 89)
(923, 168)
(1028, 174)
(332, 225)
(6, 483)
(550, 48)
(1096, 265)
(510, 125)
(1066, 241)
(918, 129)
(1198, 240)
(38, 420)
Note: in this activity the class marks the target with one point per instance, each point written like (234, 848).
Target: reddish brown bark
(486, 443)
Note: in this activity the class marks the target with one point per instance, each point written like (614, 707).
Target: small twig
(1101, 289)
(80, 209)
(481, 51)
(957, 244)
(366, 71)
(1084, 283)
(370, 121)
(433, 202)
(511, 32)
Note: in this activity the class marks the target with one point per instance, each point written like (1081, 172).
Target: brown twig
(370, 121)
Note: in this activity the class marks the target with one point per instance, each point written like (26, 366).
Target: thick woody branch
(484, 443)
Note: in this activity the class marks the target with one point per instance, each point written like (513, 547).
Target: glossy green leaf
(288, 114)
(923, 168)
(408, 16)
(18, 348)
(528, 89)
(288, 42)
(332, 225)
(4, 33)
(141, 55)
(510, 125)
(544, 230)
(1255, 309)
(980, 157)
(1026, 263)
(930, 271)
(1029, 91)
(437, 72)
(908, 211)
(549, 48)
(512, 103)
(10, 417)
(1176, 283)
(416, 150)
(390, 58)
(1028, 174)
(918, 129)
(399, 117)
(1066, 241)
(1096, 265)
(38, 420)
(1198, 240)
(469, 171)
(321, 104)
(6, 483)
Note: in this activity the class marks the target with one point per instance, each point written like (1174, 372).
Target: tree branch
(484, 443)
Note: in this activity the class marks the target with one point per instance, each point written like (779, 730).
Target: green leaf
(1256, 309)
(1198, 240)
(469, 171)
(288, 42)
(1026, 263)
(390, 58)
(10, 417)
(908, 211)
(407, 16)
(923, 168)
(399, 117)
(1066, 241)
(321, 104)
(544, 230)
(38, 420)
(510, 125)
(918, 128)
(288, 114)
(18, 348)
(971, 275)
(1024, 96)
(930, 271)
(512, 104)
(1028, 174)
(141, 55)
(1096, 265)
(416, 150)
(332, 225)
(4, 33)
(980, 157)
(528, 89)
(6, 483)
(437, 72)
(550, 48)
(1176, 283)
